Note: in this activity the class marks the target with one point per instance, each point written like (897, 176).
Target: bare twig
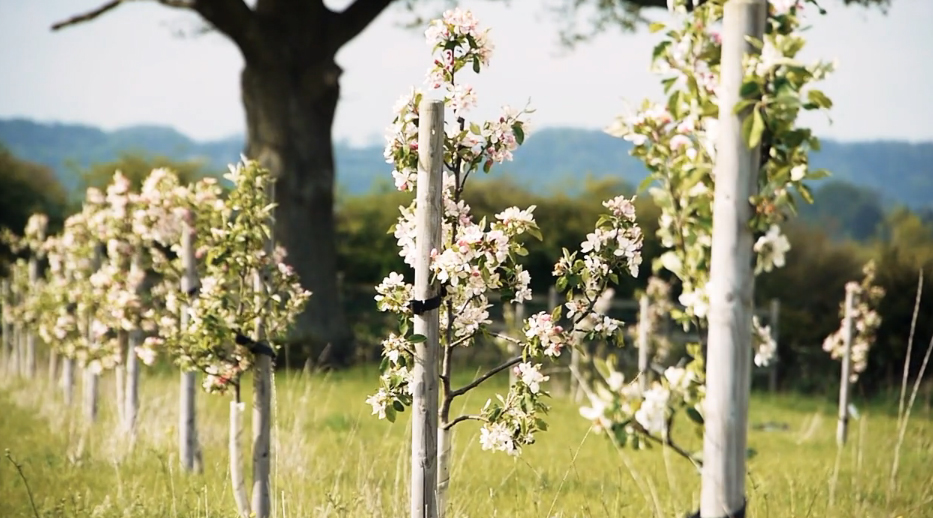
(460, 419)
(19, 469)
(109, 6)
(479, 381)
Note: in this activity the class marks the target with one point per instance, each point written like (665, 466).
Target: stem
(479, 381)
(19, 469)
(460, 419)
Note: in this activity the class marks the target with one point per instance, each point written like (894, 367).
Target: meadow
(332, 459)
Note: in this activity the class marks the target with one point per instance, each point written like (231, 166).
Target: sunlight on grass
(332, 459)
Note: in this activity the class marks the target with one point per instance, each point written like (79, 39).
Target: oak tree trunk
(289, 111)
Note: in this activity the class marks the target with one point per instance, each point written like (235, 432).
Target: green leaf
(398, 406)
(519, 133)
(694, 415)
(417, 339)
(390, 414)
(750, 89)
(743, 105)
(752, 129)
(819, 173)
(535, 233)
(819, 98)
(656, 26)
(475, 129)
(476, 63)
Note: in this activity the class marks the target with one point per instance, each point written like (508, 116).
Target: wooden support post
(844, 384)
(6, 324)
(262, 392)
(428, 217)
(644, 342)
(189, 451)
(774, 320)
(728, 366)
(31, 333)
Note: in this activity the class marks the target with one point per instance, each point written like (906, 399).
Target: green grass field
(332, 459)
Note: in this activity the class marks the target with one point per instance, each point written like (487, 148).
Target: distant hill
(551, 159)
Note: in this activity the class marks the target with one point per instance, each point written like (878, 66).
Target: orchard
(188, 282)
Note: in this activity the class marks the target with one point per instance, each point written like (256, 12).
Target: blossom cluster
(865, 322)
(677, 141)
(479, 261)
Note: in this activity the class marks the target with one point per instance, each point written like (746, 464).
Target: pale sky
(128, 68)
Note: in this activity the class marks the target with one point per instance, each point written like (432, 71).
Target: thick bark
(290, 110)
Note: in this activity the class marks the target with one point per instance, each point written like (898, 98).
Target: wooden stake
(842, 425)
(262, 398)
(773, 320)
(728, 366)
(644, 342)
(424, 406)
(189, 450)
(30, 365)
(6, 298)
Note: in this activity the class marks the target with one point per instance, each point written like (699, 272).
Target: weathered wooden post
(773, 320)
(644, 341)
(31, 333)
(189, 451)
(428, 212)
(728, 366)
(847, 331)
(262, 391)
(91, 378)
(6, 324)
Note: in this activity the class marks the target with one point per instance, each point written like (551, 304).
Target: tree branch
(462, 418)
(231, 17)
(113, 4)
(353, 19)
(479, 381)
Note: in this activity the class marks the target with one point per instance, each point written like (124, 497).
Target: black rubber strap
(193, 291)
(254, 346)
(737, 514)
(420, 307)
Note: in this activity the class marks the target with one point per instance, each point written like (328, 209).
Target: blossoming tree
(479, 261)
(677, 141)
(248, 298)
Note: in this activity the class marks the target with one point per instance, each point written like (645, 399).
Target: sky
(132, 67)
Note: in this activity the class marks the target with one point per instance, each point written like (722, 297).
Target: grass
(335, 460)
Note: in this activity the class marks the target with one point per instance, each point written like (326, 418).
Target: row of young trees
(175, 270)
(113, 293)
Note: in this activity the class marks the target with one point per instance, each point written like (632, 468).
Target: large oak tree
(290, 87)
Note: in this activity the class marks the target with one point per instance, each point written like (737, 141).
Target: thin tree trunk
(644, 342)
(236, 459)
(189, 450)
(91, 390)
(6, 326)
(119, 376)
(68, 381)
(444, 447)
(31, 332)
(53, 367)
(131, 395)
(289, 114)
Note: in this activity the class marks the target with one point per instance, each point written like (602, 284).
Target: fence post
(844, 383)
(728, 366)
(426, 321)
